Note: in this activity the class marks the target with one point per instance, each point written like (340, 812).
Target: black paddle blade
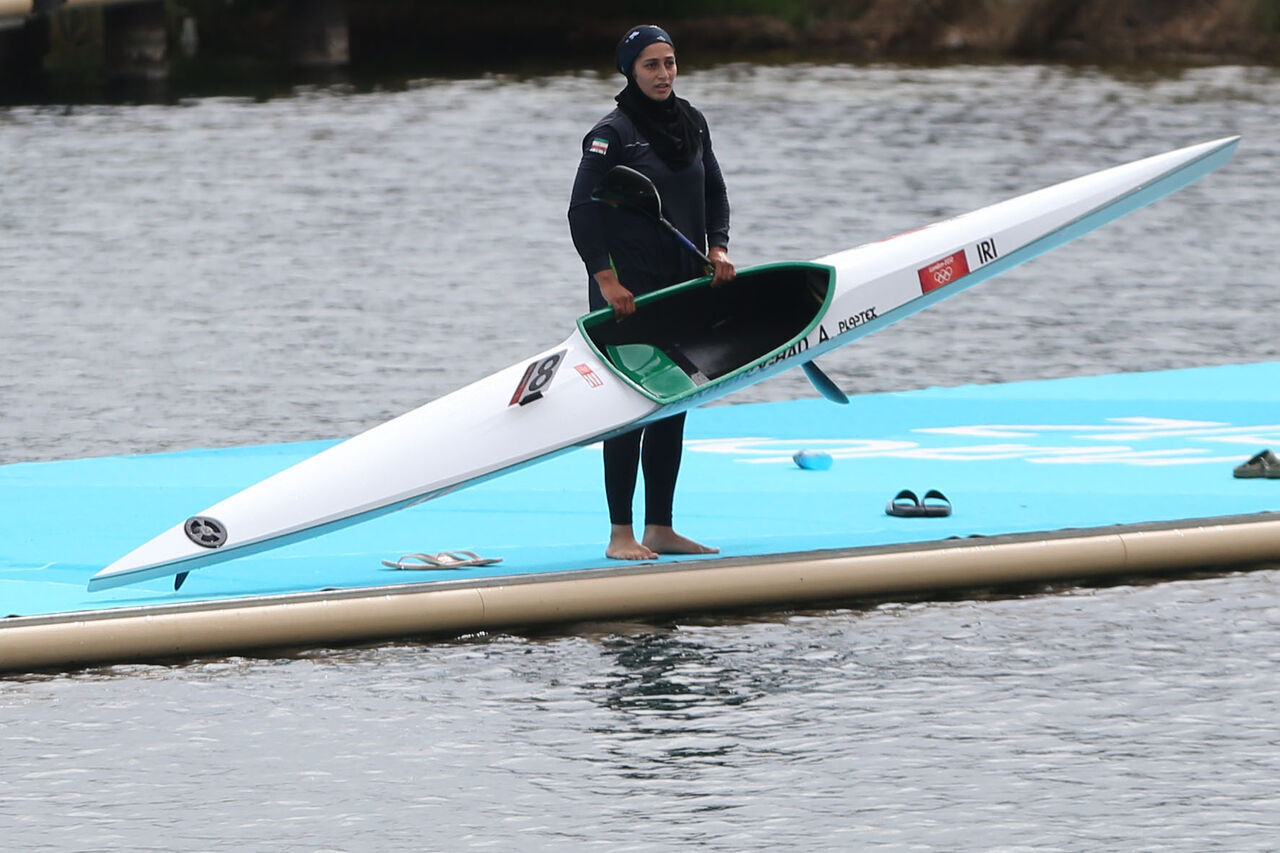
(623, 185)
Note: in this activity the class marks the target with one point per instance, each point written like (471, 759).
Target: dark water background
(226, 271)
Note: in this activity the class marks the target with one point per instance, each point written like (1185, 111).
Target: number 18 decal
(537, 376)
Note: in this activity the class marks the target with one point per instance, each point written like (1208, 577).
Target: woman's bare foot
(664, 540)
(623, 545)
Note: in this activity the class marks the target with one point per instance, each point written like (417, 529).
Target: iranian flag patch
(599, 146)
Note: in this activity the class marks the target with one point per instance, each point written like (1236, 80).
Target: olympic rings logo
(943, 272)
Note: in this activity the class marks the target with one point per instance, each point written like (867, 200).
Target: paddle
(624, 186)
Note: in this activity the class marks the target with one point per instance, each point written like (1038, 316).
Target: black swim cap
(635, 41)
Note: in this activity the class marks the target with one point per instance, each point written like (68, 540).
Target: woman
(627, 254)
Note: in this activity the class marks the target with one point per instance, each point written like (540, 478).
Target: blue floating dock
(1052, 479)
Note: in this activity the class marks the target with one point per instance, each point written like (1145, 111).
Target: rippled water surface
(225, 271)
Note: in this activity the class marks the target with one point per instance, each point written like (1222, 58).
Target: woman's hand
(619, 298)
(724, 271)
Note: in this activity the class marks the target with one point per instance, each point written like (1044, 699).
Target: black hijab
(669, 125)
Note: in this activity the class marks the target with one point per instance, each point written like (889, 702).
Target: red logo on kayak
(943, 272)
(590, 375)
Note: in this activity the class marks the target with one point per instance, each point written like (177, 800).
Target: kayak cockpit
(686, 336)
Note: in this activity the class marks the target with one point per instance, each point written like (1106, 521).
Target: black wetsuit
(645, 258)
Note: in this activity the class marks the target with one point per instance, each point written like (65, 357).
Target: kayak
(684, 346)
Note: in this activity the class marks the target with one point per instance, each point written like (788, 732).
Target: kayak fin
(826, 387)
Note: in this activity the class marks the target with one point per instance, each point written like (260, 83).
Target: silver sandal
(443, 560)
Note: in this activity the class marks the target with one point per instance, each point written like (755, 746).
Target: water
(226, 271)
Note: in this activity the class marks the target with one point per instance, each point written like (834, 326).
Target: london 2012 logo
(942, 272)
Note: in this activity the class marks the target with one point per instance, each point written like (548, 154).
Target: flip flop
(443, 560)
(1263, 464)
(905, 504)
(935, 504)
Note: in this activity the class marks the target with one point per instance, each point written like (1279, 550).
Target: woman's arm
(717, 211)
(600, 153)
(716, 193)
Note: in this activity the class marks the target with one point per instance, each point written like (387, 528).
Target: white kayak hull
(609, 377)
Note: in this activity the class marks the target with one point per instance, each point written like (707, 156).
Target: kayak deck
(1123, 473)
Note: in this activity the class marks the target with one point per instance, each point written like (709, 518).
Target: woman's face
(655, 70)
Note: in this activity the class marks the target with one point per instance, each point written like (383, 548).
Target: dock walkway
(1049, 480)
